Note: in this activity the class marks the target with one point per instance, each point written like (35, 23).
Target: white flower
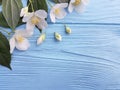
(35, 18)
(78, 5)
(41, 38)
(19, 41)
(58, 11)
(24, 11)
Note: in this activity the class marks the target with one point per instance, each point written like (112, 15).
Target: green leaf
(0, 2)
(3, 22)
(11, 11)
(5, 56)
(38, 4)
(61, 1)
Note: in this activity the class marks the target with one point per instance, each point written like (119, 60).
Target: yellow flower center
(19, 39)
(57, 11)
(77, 2)
(35, 20)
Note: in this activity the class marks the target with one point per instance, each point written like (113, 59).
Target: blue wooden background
(88, 59)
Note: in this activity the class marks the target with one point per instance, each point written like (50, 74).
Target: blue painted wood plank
(98, 11)
(88, 59)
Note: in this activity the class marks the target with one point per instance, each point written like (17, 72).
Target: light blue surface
(88, 59)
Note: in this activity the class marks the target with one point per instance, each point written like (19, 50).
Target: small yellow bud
(58, 36)
(68, 29)
(41, 38)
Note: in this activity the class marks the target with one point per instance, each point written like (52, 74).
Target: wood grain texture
(88, 59)
(98, 11)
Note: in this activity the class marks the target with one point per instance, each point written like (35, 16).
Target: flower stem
(31, 5)
(49, 3)
(13, 30)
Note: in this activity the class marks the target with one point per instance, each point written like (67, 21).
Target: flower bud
(41, 38)
(68, 30)
(58, 36)
(24, 11)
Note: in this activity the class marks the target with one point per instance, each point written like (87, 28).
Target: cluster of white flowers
(19, 39)
(32, 19)
(58, 10)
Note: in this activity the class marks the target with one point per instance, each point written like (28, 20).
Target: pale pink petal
(41, 13)
(80, 8)
(61, 15)
(43, 24)
(26, 18)
(70, 7)
(23, 45)
(85, 2)
(12, 44)
(52, 16)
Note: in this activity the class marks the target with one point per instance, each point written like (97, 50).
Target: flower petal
(30, 28)
(61, 15)
(52, 16)
(23, 33)
(80, 8)
(12, 44)
(85, 2)
(41, 13)
(70, 7)
(23, 45)
(41, 39)
(63, 5)
(24, 11)
(72, 1)
(43, 24)
(27, 17)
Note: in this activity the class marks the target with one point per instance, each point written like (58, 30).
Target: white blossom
(78, 5)
(58, 11)
(35, 19)
(19, 41)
